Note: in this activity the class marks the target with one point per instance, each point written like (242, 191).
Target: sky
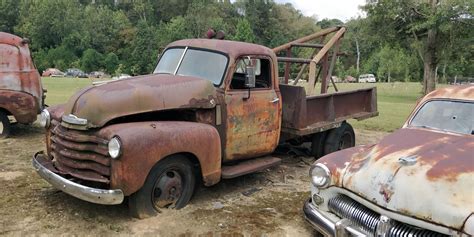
(339, 9)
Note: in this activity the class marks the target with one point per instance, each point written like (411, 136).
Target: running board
(249, 166)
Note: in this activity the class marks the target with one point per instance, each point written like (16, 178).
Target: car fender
(146, 143)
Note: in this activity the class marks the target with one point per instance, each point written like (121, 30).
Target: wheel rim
(346, 141)
(1, 128)
(167, 189)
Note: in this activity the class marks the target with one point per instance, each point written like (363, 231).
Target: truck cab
(21, 92)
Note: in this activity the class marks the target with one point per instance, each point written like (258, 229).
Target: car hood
(102, 103)
(417, 172)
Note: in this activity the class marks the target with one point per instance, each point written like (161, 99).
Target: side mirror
(250, 76)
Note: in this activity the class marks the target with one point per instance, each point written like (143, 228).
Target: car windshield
(451, 116)
(193, 62)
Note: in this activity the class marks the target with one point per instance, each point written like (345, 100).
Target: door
(253, 115)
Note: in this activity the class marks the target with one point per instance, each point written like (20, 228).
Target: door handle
(275, 100)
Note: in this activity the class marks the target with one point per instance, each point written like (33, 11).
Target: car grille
(79, 154)
(367, 220)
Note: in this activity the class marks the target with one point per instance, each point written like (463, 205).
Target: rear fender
(21, 105)
(146, 143)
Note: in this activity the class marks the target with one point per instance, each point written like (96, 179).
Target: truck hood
(102, 103)
(417, 172)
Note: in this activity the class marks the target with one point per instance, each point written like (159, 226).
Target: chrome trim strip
(94, 195)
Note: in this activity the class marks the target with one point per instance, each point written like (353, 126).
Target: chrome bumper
(326, 226)
(94, 195)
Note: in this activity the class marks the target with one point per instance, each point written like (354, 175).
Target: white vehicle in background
(367, 78)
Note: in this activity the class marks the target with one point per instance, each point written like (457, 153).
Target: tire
(5, 125)
(339, 138)
(317, 144)
(170, 184)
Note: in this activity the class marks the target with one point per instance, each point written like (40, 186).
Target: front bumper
(94, 195)
(325, 225)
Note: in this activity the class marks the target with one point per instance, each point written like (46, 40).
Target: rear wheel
(4, 125)
(317, 144)
(339, 138)
(170, 184)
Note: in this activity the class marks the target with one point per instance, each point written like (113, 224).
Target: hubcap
(167, 190)
(1, 128)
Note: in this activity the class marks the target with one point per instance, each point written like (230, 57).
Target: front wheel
(4, 125)
(170, 184)
(339, 138)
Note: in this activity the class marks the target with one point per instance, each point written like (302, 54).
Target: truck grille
(79, 154)
(367, 220)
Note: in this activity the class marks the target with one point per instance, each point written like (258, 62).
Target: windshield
(193, 62)
(451, 116)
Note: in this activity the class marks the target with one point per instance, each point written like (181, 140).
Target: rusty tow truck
(21, 92)
(211, 110)
(417, 181)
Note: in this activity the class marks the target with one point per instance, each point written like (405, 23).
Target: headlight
(320, 175)
(115, 147)
(45, 118)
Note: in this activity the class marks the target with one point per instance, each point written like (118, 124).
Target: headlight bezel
(116, 144)
(322, 181)
(45, 119)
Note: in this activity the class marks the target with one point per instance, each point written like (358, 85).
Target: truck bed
(304, 115)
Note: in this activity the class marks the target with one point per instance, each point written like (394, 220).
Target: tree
(425, 24)
(111, 62)
(244, 32)
(9, 10)
(91, 60)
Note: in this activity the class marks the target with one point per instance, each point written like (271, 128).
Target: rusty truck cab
(248, 119)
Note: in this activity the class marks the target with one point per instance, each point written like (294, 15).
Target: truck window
(262, 72)
(203, 64)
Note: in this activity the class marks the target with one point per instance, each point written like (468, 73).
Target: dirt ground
(271, 205)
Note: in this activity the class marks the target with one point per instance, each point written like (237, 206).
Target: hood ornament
(73, 119)
(408, 160)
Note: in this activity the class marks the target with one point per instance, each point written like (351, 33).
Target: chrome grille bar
(367, 220)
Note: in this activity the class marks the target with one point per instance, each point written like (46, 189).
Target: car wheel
(4, 125)
(339, 138)
(317, 144)
(170, 184)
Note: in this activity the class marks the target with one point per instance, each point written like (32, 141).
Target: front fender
(146, 143)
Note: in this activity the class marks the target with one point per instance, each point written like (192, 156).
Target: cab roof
(464, 92)
(232, 48)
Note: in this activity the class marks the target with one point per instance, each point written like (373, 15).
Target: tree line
(398, 40)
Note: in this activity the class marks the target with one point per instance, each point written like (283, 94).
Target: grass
(60, 89)
(395, 100)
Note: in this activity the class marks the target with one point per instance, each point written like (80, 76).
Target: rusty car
(21, 92)
(211, 110)
(417, 181)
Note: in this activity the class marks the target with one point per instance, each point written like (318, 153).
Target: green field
(395, 100)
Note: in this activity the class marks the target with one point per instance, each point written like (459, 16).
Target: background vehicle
(364, 78)
(52, 72)
(74, 72)
(21, 93)
(212, 110)
(387, 189)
